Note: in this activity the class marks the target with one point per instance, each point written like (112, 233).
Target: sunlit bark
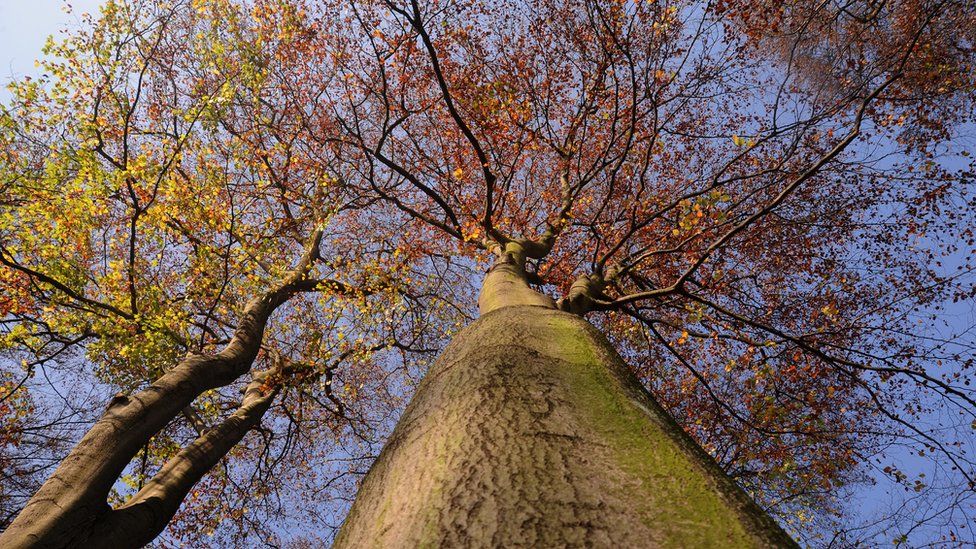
(530, 431)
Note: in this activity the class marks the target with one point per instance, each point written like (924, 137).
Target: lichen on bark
(530, 431)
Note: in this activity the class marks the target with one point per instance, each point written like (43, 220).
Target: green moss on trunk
(530, 431)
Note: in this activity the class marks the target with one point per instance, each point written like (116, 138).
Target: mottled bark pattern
(530, 431)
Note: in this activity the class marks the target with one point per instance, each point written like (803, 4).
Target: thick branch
(150, 510)
(74, 498)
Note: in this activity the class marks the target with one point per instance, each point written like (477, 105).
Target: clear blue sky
(24, 27)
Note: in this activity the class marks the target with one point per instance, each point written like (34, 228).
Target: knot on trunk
(120, 399)
(585, 295)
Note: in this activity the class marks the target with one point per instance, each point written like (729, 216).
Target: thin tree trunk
(529, 430)
(71, 508)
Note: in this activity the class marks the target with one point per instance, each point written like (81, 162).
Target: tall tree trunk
(530, 430)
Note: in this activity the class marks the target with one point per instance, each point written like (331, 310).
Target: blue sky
(24, 27)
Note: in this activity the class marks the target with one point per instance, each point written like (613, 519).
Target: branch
(9, 261)
(416, 21)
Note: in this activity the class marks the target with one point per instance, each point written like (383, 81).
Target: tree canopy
(767, 207)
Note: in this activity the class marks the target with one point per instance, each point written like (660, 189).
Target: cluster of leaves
(15, 407)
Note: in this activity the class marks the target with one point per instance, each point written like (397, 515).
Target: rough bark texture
(530, 431)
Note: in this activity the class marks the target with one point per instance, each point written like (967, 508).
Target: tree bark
(71, 509)
(529, 430)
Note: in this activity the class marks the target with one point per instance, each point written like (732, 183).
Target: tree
(757, 204)
(167, 288)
